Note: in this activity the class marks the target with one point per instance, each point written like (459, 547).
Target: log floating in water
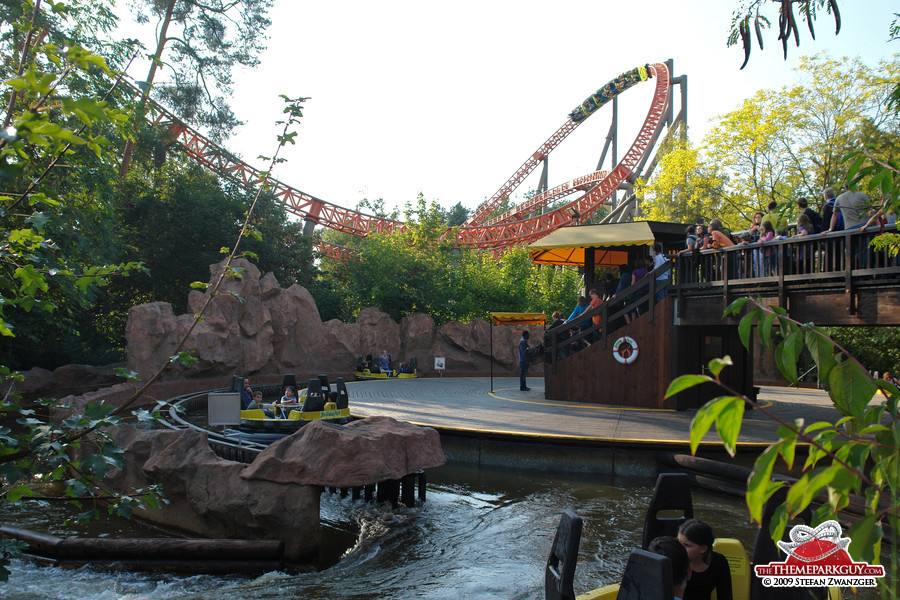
(173, 554)
(211, 566)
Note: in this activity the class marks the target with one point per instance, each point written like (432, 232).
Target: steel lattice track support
(579, 184)
(334, 251)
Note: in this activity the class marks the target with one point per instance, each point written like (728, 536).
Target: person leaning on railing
(659, 259)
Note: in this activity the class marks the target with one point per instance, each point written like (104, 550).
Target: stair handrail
(552, 335)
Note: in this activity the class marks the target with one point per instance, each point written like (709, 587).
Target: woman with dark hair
(709, 570)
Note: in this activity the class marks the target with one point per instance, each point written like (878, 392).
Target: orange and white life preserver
(625, 350)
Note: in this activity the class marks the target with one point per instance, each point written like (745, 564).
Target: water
(482, 534)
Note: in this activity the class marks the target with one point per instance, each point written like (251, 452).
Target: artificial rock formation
(207, 497)
(277, 496)
(65, 380)
(274, 330)
(359, 453)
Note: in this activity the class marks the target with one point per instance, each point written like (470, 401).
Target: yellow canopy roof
(510, 318)
(566, 245)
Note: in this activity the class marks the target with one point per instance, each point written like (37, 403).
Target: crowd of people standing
(848, 211)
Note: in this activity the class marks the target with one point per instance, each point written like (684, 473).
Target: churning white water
(482, 534)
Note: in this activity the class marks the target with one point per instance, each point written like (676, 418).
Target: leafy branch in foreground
(853, 461)
(49, 442)
(752, 15)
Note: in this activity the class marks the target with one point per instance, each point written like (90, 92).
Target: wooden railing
(561, 342)
(841, 259)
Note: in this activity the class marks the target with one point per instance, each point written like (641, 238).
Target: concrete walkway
(466, 406)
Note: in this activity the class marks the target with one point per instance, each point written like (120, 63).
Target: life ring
(629, 353)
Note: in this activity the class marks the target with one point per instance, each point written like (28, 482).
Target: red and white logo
(818, 558)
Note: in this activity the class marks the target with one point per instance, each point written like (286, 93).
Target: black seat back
(672, 493)
(237, 383)
(359, 363)
(289, 380)
(343, 398)
(647, 576)
(413, 364)
(559, 574)
(315, 397)
(323, 379)
(765, 551)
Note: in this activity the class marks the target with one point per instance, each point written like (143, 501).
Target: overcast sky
(449, 99)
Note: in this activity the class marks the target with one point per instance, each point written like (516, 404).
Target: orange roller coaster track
(225, 164)
(524, 231)
(506, 230)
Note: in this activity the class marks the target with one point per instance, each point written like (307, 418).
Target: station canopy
(510, 318)
(566, 245)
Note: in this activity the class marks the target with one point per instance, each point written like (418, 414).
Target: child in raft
(709, 570)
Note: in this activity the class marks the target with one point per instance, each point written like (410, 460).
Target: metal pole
(492, 356)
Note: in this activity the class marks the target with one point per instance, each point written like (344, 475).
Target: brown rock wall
(275, 330)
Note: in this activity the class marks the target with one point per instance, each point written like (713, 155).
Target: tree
(457, 215)
(45, 123)
(45, 218)
(877, 348)
(779, 145)
(422, 270)
(685, 187)
(205, 41)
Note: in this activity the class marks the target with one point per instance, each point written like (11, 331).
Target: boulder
(377, 332)
(362, 452)
(79, 378)
(417, 335)
(297, 328)
(340, 345)
(208, 497)
(37, 382)
(152, 334)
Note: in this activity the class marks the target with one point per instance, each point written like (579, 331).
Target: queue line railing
(838, 259)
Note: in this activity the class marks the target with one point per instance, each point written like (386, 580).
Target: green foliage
(421, 270)
(685, 186)
(43, 262)
(783, 144)
(857, 456)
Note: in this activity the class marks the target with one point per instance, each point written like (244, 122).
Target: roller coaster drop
(514, 227)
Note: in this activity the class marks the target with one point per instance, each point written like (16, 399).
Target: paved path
(466, 404)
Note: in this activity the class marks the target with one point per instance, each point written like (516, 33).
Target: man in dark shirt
(681, 566)
(523, 361)
(246, 395)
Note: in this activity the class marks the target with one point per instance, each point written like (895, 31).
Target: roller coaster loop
(524, 231)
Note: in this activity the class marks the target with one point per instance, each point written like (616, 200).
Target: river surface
(482, 534)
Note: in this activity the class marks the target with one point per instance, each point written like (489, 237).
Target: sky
(449, 99)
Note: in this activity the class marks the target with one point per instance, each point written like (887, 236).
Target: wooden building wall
(593, 374)
(665, 351)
